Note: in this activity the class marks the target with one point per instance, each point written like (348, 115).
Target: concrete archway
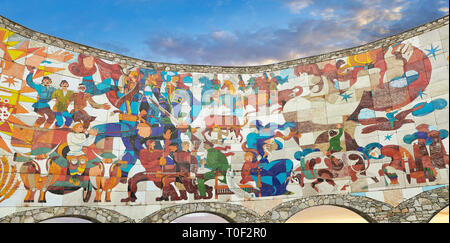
(94, 214)
(230, 212)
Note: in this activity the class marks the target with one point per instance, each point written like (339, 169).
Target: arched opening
(200, 218)
(67, 219)
(441, 217)
(326, 214)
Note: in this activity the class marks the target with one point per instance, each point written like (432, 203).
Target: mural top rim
(115, 57)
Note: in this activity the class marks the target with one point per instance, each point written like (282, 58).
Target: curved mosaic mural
(74, 124)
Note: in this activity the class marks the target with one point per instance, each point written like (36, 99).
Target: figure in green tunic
(335, 143)
(218, 163)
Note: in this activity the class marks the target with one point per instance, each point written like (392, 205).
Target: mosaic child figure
(335, 143)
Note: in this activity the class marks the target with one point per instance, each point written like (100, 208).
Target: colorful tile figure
(71, 121)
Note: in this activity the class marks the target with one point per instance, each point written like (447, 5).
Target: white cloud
(365, 17)
(168, 43)
(296, 6)
(444, 9)
(223, 35)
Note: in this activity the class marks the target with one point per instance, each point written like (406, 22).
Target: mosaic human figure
(250, 165)
(218, 163)
(80, 100)
(187, 166)
(335, 143)
(153, 160)
(87, 67)
(77, 140)
(45, 92)
(63, 98)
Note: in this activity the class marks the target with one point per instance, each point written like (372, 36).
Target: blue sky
(222, 32)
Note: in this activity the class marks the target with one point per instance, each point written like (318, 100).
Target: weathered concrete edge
(118, 58)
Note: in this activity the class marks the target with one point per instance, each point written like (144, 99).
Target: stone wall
(363, 125)
(420, 209)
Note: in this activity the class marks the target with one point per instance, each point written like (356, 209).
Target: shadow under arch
(69, 219)
(231, 212)
(210, 218)
(365, 207)
(93, 214)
